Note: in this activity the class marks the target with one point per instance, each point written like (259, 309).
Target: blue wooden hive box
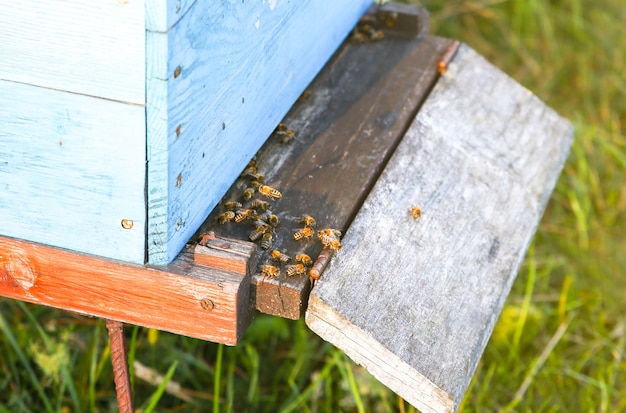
(123, 122)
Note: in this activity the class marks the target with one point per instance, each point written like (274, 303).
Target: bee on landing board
(258, 232)
(304, 259)
(303, 233)
(297, 269)
(266, 241)
(225, 217)
(415, 212)
(269, 271)
(279, 256)
(308, 221)
(232, 205)
(269, 192)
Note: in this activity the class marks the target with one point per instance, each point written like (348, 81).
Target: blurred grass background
(559, 344)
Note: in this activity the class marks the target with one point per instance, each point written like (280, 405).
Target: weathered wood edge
(427, 397)
(391, 281)
(181, 298)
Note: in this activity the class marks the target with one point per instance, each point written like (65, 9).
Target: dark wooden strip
(347, 125)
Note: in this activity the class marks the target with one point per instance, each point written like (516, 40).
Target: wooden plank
(94, 47)
(415, 301)
(182, 298)
(241, 66)
(347, 125)
(162, 15)
(227, 254)
(72, 168)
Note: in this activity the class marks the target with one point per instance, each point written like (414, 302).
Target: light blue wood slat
(71, 168)
(243, 64)
(161, 15)
(94, 47)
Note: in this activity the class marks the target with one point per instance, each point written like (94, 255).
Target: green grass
(560, 344)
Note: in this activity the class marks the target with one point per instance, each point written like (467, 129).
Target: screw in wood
(120, 366)
(177, 71)
(127, 223)
(207, 304)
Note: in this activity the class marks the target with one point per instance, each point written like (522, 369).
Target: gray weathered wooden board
(415, 301)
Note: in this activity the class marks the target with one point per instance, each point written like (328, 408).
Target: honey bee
(297, 269)
(304, 259)
(266, 241)
(269, 271)
(243, 214)
(269, 192)
(286, 136)
(334, 244)
(232, 205)
(279, 256)
(248, 193)
(260, 205)
(251, 169)
(273, 220)
(305, 232)
(258, 232)
(308, 221)
(330, 238)
(225, 217)
(415, 212)
(329, 232)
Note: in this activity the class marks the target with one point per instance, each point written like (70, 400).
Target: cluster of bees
(254, 208)
(365, 31)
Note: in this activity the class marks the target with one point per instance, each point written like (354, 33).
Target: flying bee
(269, 271)
(232, 205)
(243, 214)
(248, 193)
(297, 269)
(266, 241)
(304, 259)
(269, 192)
(279, 256)
(260, 205)
(305, 232)
(258, 232)
(415, 212)
(225, 217)
(308, 221)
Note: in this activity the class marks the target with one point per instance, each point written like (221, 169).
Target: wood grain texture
(227, 254)
(72, 167)
(347, 125)
(94, 47)
(242, 65)
(182, 298)
(162, 15)
(415, 301)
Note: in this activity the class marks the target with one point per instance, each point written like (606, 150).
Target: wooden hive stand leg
(120, 366)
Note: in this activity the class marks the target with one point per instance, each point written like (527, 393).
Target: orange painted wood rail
(183, 298)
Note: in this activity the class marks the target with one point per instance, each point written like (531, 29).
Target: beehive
(123, 122)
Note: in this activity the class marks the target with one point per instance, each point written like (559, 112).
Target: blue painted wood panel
(161, 15)
(92, 47)
(71, 168)
(242, 65)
